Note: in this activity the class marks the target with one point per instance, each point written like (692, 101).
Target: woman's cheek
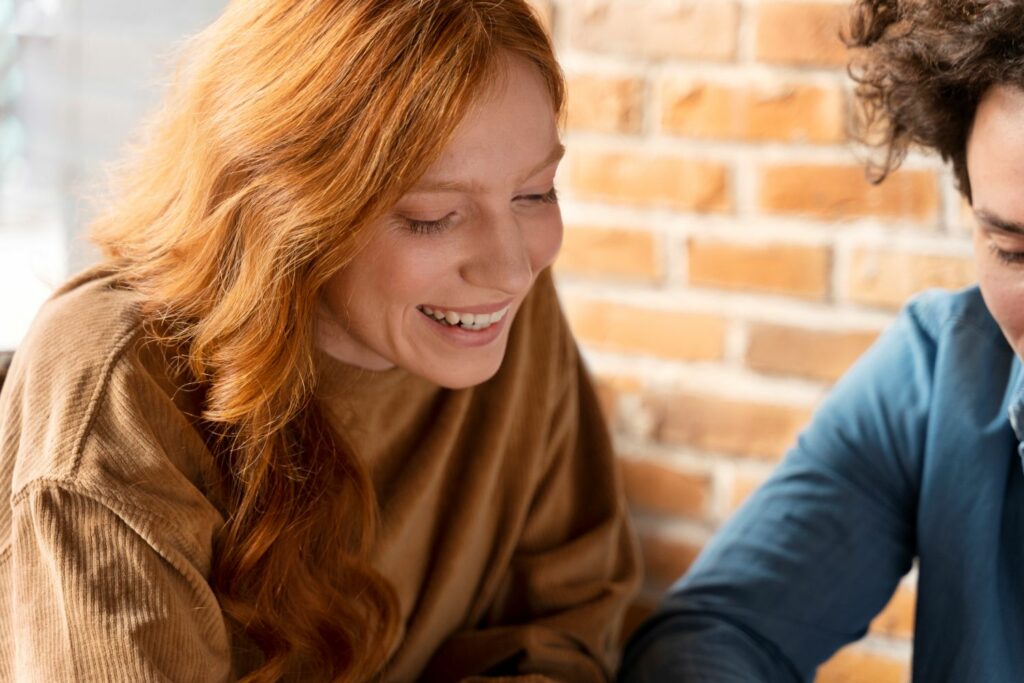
(546, 240)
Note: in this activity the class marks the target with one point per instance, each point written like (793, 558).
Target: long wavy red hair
(291, 124)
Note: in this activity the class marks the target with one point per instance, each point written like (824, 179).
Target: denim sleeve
(814, 554)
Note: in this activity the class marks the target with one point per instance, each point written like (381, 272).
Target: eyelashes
(429, 227)
(442, 224)
(1009, 257)
(549, 197)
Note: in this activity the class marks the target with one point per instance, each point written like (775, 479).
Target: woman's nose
(500, 258)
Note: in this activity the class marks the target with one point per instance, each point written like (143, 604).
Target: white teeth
(467, 321)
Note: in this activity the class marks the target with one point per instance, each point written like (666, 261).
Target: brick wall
(725, 260)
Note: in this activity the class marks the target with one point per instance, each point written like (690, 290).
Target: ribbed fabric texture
(504, 531)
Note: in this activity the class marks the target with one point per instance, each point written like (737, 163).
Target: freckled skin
(995, 165)
(498, 237)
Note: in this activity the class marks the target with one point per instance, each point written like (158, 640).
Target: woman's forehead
(510, 132)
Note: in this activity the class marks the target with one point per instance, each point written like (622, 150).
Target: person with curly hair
(917, 453)
(317, 414)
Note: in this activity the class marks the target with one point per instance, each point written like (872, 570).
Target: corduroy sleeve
(558, 612)
(97, 596)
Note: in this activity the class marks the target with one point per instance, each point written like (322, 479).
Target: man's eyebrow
(998, 223)
(557, 152)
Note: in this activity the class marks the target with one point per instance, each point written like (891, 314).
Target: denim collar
(1016, 407)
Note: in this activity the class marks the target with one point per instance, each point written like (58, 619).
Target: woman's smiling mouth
(474, 322)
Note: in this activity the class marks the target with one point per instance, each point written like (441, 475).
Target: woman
(916, 455)
(318, 416)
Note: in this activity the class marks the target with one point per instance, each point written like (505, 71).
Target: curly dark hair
(922, 66)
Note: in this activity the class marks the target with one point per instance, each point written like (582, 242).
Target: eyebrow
(556, 154)
(1000, 224)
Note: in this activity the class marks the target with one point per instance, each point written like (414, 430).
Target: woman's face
(438, 285)
(995, 165)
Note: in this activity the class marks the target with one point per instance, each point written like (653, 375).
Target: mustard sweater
(504, 531)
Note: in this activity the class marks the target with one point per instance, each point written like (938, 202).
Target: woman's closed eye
(549, 197)
(425, 227)
(420, 227)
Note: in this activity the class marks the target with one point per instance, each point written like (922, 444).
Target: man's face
(995, 165)
(446, 269)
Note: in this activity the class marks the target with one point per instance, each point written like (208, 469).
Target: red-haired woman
(317, 416)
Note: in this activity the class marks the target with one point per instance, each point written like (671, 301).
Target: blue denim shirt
(916, 453)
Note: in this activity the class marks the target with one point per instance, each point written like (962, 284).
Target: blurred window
(76, 77)
(32, 234)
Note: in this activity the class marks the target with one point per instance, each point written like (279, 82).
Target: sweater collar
(337, 378)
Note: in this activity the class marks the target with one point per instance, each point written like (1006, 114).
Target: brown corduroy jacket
(504, 532)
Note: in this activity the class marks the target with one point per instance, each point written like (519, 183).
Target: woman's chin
(461, 373)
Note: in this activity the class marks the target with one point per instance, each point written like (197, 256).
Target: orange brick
(665, 560)
(680, 29)
(667, 334)
(743, 484)
(851, 665)
(814, 354)
(966, 221)
(607, 252)
(887, 278)
(608, 104)
(793, 113)
(609, 388)
(733, 427)
(656, 488)
(801, 271)
(801, 33)
(831, 192)
(897, 619)
(651, 180)
(621, 383)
